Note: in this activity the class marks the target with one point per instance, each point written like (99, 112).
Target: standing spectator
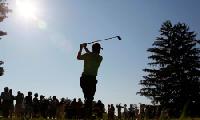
(136, 113)
(19, 106)
(131, 112)
(36, 105)
(61, 109)
(109, 112)
(5, 98)
(125, 112)
(112, 112)
(68, 109)
(28, 106)
(74, 108)
(43, 106)
(142, 111)
(99, 107)
(79, 109)
(11, 103)
(119, 108)
(53, 107)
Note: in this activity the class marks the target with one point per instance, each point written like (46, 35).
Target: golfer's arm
(86, 50)
(79, 55)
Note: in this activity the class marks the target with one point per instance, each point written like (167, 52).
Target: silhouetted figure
(5, 97)
(68, 108)
(11, 103)
(79, 109)
(43, 106)
(61, 109)
(99, 109)
(112, 112)
(36, 106)
(109, 112)
(53, 107)
(125, 112)
(19, 106)
(92, 61)
(132, 112)
(28, 106)
(119, 111)
(136, 112)
(142, 111)
(74, 108)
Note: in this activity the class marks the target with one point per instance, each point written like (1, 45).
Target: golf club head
(1, 62)
(3, 33)
(119, 38)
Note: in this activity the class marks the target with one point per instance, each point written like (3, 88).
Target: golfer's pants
(88, 85)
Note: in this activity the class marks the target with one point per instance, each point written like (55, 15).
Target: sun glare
(26, 8)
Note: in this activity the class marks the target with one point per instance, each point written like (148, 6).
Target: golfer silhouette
(92, 61)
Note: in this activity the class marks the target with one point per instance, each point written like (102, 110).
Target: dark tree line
(173, 76)
(4, 10)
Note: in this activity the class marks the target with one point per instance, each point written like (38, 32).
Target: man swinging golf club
(92, 61)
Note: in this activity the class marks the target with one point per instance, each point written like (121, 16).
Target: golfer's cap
(97, 46)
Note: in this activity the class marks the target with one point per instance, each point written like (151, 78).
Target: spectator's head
(99, 101)
(41, 97)
(54, 97)
(36, 94)
(6, 89)
(125, 105)
(29, 93)
(131, 105)
(10, 91)
(108, 105)
(62, 100)
(79, 100)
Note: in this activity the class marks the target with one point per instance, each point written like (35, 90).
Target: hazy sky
(40, 54)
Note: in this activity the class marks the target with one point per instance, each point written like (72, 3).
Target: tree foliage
(173, 76)
(4, 10)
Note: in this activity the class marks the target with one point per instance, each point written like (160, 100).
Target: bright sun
(26, 8)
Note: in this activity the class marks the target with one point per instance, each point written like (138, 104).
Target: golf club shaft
(110, 38)
(104, 39)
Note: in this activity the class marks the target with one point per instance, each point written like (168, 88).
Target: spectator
(112, 112)
(19, 106)
(99, 107)
(28, 106)
(36, 105)
(5, 97)
(125, 112)
(119, 108)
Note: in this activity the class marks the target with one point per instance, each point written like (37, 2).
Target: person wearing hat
(92, 61)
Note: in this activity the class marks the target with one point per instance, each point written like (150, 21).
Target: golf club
(118, 37)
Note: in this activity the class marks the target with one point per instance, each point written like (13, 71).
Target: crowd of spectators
(49, 108)
(36, 106)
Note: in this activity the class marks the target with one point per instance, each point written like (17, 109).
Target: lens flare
(42, 24)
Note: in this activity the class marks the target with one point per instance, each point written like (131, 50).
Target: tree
(173, 79)
(4, 10)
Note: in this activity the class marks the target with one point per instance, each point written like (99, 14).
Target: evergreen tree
(173, 79)
(4, 10)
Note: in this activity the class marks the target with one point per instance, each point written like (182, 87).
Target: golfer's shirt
(92, 62)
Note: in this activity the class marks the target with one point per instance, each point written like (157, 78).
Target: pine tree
(4, 10)
(173, 79)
